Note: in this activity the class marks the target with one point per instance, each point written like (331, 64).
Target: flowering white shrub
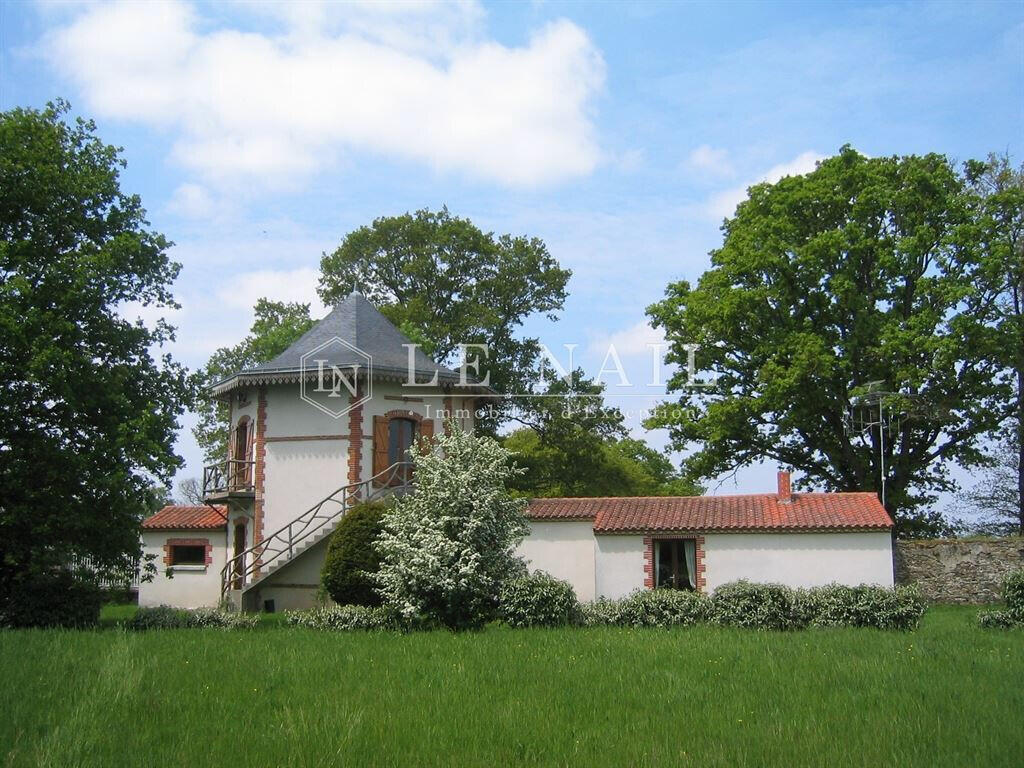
(448, 546)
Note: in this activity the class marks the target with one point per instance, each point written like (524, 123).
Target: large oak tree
(87, 415)
(863, 274)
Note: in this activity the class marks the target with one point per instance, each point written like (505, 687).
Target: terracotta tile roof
(176, 517)
(807, 511)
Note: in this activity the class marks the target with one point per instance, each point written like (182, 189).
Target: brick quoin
(355, 439)
(700, 579)
(448, 412)
(259, 481)
(188, 543)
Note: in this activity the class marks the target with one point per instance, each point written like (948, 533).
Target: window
(401, 434)
(188, 554)
(675, 565)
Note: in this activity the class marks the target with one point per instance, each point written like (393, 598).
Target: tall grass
(948, 694)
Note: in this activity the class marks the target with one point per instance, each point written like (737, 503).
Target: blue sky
(258, 134)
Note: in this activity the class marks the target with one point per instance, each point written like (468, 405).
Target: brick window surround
(649, 559)
(187, 543)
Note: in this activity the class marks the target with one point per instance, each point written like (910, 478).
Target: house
(609, 547)
(328, 422)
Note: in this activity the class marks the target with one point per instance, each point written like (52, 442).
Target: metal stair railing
(282, 542)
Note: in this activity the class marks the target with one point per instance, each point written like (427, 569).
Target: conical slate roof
(357, 322)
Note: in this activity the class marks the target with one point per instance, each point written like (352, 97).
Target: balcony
(227, 479)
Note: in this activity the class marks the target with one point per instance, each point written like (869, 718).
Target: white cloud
(278, 285)
(707, 159)
(193, 201)
(412, 82)
(635, 341)
(724, 204)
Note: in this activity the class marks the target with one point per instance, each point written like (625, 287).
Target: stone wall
(958, 571)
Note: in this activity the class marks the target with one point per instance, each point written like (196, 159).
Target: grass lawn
(948, 694)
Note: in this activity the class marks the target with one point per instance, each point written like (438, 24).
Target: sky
(259, 133)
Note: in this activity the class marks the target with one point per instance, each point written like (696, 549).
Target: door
(239, 562)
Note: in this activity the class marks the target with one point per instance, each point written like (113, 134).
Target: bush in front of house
(352, 559)
(448, 546)
(664, 608)
(648, 608)
(602, 612)
(345, 617)
(537, 600)
(755, 606)
(838, 605)
(50, 599)
(166, 617)
(1013, 596)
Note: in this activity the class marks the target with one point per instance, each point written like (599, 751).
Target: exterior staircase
(251, 567)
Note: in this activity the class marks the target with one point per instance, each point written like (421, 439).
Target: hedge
(166, 617)
(54, 599)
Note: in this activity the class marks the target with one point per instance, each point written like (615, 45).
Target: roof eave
(294, 375)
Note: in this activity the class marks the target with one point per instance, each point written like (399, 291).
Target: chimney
(785, 492)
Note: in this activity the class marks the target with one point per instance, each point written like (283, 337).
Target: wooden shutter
(426, 433)
(380, 444)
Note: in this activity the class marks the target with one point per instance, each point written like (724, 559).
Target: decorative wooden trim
(700, 579)
(169, 543)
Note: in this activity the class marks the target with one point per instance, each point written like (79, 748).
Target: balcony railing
(231, 476)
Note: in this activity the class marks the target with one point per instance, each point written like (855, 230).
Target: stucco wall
(299, 475)
(958, 571)
(295, 586)
(566, 550)
(189, 586)
(620, 565)
(798, 559)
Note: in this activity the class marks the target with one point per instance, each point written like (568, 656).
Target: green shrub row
(1013, 615)
(166, 617)
(738, 604)
(344, 617)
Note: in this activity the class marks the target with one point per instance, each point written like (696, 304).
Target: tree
(1000, 189)
(87, 416)
(572, 444)
(448, 546)
(190, 492)
(863, 272)
(276, 325)
(444, 282)
(995, 498)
